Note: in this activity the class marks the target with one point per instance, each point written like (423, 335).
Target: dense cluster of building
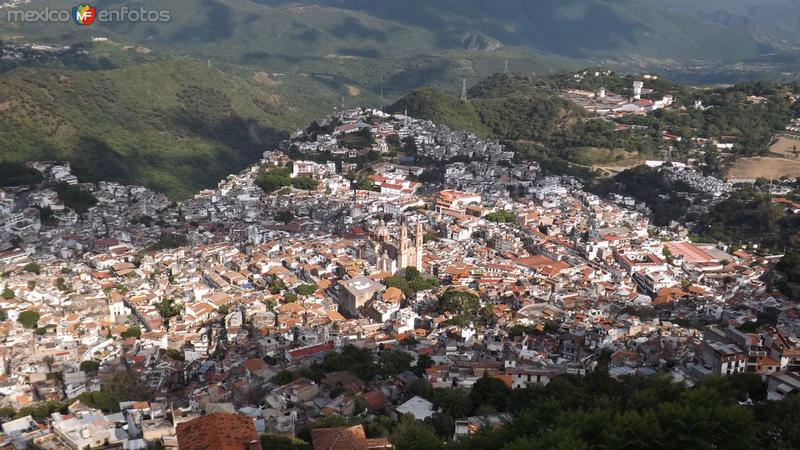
(606, 103)
(429, 141)
(257, 286)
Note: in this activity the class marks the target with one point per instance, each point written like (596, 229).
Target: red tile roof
(339, 438)
(690, 252)
(311, 350)
(220, 431)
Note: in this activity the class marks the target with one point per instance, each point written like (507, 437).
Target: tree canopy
(29, 319)
(89, 366)
(411, 282)
(596, 411)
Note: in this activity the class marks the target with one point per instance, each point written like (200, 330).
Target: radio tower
(464, 89)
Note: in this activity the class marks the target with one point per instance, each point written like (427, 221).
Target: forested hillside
(174, 124)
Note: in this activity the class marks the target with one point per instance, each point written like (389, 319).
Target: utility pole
(464, 89)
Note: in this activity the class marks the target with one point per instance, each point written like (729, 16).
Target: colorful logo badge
(84, 14)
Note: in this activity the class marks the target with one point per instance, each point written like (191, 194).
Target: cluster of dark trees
(277, 178)
(594, 411)
(501, 216)
(76, 198)
(169, 240)
(748, 216)
(360, 362)
(646, 185)
(411, 282)
(598, 412)
(15, 174)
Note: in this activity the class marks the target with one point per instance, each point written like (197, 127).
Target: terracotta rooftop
(339, 438)
(220, 431)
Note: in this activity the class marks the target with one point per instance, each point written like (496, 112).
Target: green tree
(76, 198)
(490, 391)
(454, 402)
(779, 421)
(32, 267)
(169, 240)
(168, 308)
(276, 285)
(443, 423)
(90, 366)
(61, 284)
(419, 387)
(29, 318)
(284, 216)
(41, 410)
(306, 184)
(423, 362)
(394, 362)
(350, 358)
(501, 216)
(132, 331)
(465, 305)
(273, 179)
(284, 377)
(275, 442)
(100, 400)
(413, 435)
(306, 289)
(175, 355)
(125, 385)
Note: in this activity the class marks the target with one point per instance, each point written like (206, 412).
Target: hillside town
(133, 321)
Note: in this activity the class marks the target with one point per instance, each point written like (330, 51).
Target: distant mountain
(573, 28)
(399, 45)
(773, 22)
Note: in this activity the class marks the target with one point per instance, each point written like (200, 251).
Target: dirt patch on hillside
(769, 168)
(786, 147)
(7, 105)
(265, 78)
(353, 91)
